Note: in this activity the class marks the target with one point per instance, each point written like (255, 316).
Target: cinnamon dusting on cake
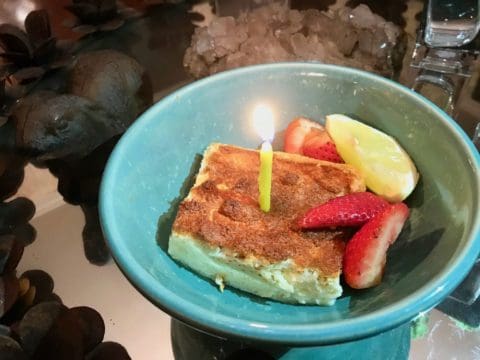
(229, 216)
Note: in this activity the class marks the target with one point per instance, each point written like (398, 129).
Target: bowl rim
(423, 299)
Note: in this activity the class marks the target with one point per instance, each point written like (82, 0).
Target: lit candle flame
(263, 122)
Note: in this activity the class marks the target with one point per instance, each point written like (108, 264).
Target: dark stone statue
(73, 133)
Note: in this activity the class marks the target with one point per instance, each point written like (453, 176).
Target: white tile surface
(129, 318)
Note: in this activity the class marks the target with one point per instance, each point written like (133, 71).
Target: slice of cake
(221, 233)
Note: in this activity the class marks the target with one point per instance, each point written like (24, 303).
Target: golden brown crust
(222, 208)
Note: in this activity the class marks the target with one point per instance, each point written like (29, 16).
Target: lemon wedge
(386, 167)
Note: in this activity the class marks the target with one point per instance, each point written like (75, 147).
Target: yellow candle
(265, 176)
(263, 124)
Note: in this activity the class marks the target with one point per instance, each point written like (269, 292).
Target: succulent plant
(12, 165)
(28, 55)
(37, 325)
(94, 11)
(3, 106)
(34, 324)
(98, 15)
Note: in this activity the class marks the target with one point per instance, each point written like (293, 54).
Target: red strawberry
(366, 253)
(353, 209)
(297, 131)
(306, 137)
(321, 147)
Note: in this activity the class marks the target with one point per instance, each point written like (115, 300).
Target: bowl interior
(153, 165)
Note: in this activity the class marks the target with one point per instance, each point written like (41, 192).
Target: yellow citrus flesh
(386, 167)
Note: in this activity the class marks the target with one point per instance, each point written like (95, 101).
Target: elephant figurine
(73, 133)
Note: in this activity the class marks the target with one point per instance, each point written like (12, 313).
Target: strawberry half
(353, 209)
(366, 253)
(309, 138)
(297, 131)
(320, 146)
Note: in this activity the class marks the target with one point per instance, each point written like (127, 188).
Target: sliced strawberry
(353, 209)
(321, 147)
(309, 138)
(297, 131)
(366, 253)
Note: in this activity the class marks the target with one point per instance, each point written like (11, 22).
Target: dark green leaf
(14, 40)
(37, 25)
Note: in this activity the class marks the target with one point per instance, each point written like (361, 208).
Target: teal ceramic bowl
(153, 164)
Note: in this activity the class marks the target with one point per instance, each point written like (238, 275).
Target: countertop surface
(143, 329)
